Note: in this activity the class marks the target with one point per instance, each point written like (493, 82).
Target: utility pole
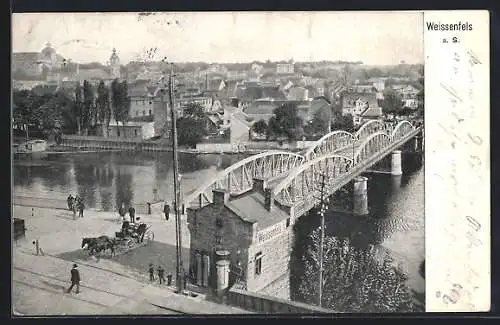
(322, 203)
(177, 200)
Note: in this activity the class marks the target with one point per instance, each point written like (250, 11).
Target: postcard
(194, 163)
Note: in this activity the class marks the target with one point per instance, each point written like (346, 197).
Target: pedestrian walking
(122, 211)
(169, 279)
(166, 210)
(81, 207)
(70, 202)
(131, 212)
(185, 279)
(38, 249)
(75, 279)
(151, 272)
(161, 274)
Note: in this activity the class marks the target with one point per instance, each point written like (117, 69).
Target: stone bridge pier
(360, 193)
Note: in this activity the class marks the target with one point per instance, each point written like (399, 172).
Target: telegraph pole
(322, 211)
(177, 200)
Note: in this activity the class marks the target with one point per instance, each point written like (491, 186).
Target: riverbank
(117, 285)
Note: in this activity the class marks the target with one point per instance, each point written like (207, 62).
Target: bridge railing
(299, 187)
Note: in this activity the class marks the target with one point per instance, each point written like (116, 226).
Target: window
(117, 132)
(258, 263)
(149, 112)
(135, 131)
(143, 113)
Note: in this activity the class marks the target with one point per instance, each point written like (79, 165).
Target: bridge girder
(302, 182)
(369, 128)
(371, 145)
(330, 143)
(401, 129)
(238, 177)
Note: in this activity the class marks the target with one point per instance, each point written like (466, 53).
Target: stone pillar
(199, 269)
(206, 271)
(396, 163)
(396, 182)
(360, 206)
(222, 267)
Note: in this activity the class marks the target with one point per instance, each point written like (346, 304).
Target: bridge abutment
(396, 169)
(360, 192)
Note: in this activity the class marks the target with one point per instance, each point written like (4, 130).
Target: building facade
(251, 232)
(285, 68)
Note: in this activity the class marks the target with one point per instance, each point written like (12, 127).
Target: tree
(354, 280)
(190, 131)
(286, 123)
(320, 123)
(392, 101)
(194, 110)
(191, 127)
(21, 107)
(66, 106)
(260, 127)
(343, 122)
(103, 107)
(120, 101)
(88, 108)
(78, 108)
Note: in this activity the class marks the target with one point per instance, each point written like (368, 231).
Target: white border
(457, 187)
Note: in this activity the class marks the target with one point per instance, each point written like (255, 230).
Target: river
(105, 180)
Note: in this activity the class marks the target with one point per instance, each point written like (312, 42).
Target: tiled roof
(372, 112)
(250, 207)
(261, 107)
(255, 92)
(371, 98)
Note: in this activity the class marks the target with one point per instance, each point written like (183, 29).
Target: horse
(96, 245)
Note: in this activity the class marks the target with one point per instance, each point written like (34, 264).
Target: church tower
(114, 65)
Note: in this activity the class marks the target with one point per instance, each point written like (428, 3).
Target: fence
(100, 143)
(251, 146)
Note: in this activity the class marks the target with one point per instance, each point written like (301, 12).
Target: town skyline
(224, 37)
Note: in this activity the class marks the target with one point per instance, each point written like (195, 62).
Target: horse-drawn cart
(130, 237)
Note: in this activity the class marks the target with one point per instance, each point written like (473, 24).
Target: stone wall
(236, 235)
(275, 262)
(262, 303)
(279, 288)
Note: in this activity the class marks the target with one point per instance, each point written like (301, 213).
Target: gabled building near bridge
(250, 232)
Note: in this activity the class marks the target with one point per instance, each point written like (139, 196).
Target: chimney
(259, 185)
(221, 196)
(268, 199)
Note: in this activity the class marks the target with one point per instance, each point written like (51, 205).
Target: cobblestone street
(118, 285)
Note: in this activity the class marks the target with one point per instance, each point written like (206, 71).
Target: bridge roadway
(298, 191)
(282, 170)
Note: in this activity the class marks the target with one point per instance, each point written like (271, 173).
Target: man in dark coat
(75, 279)
(131, 212)
(151, 272)
(166, 210)
(81, 207)
(70, 202)
(122, 212)
(161, 274)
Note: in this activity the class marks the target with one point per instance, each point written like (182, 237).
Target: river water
(105, 180)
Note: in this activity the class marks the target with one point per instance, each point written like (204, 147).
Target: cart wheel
(149, 236)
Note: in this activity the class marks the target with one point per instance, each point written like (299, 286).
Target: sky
(375, 38)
